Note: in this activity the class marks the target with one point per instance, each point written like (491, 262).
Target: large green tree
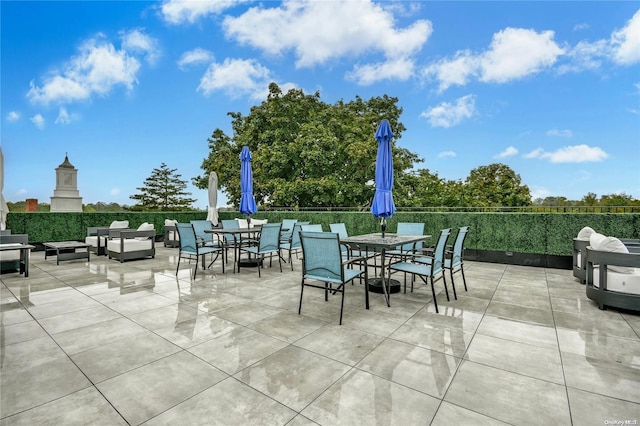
(495, 185)
(430, 190)
(307, 153)
(163, 191)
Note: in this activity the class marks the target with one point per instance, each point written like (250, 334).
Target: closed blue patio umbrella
(247, 201)
(382, 205)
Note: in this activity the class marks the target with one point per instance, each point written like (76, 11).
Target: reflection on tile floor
(110, 343)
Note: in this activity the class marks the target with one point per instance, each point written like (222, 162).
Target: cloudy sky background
(551, 89)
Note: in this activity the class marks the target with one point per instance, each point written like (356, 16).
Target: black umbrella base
(249, 263)
(375, 286)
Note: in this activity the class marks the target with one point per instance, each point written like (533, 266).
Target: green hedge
(538, 233)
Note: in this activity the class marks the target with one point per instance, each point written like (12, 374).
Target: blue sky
(552, 89)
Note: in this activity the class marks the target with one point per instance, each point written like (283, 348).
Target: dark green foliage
(307, 153)
(43, 227)
(495, 185)
(163, 191)
(539, 233)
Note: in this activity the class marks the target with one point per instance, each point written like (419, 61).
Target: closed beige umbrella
(3, 205)
(212, 215)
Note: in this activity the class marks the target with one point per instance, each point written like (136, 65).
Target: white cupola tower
(66, 197)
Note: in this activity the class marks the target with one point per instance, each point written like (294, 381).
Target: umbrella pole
(383, 225)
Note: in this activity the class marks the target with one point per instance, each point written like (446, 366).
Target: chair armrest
(99, 231)
(133, 233)
(349, 261)
(605, 258)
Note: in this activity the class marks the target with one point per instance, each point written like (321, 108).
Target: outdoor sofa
(10, 259)
(128, 244)
(97, 236)
(612, 273)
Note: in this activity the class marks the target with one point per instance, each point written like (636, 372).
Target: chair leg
(444, 280)
(453, 284)
(195, 271)
(280, 260)
(366, 288)
(178, 267)
(433, 292)
(260, 264)
(342, 302)
(301, 292)
(464, 280)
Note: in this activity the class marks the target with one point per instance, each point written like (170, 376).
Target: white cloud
(447, 154)
(96, 70)
(560, 133)
(539, 192)
(509, 152)
(236, 77)
(38, 120)
(64, 117)
(181, 11)
(626, 42)
(448, 115)
(585, 55)
(394, 69)
(581, 26)
(536, 153)
(320, 31)
(137, 41)
(194, 57)
(514, 53)
(13, 116)
(456, 71)
(570, 154)
(114, 191)
(622, 47)
(22, 191)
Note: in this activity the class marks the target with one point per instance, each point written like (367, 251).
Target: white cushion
(130, 244)
(595, 239)
(118, 224)
(585, 233)
(10, 255)
(170, 222)
(242, 223)
(146, 227)
(614, 245)
(255, 222)
(622, 283)
(93, 241)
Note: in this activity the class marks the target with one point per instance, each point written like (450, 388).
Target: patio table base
(375, 286)
(249, 263)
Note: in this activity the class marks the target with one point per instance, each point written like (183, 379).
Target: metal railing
(526, 209)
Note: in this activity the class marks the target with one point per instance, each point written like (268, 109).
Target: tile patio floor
(109, 343)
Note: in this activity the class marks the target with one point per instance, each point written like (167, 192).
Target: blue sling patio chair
(287, 224)
(429, 269)
(293, 244)
(199, 226)
(209, 239)
(231, 241)
(407, 228)
(341, 230)
(191, 249)
(268, 244)
(454, 259)
(322, 262)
